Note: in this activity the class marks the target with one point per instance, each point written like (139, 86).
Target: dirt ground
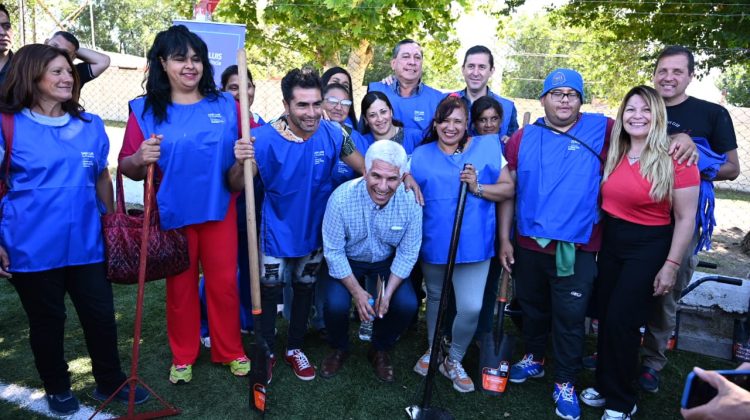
(733, 223)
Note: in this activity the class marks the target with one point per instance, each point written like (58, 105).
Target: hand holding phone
(717, 394)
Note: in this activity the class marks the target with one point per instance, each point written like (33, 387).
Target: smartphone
(698, 392)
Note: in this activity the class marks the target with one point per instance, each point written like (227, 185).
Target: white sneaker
(453, 370)
(423, 364)
(206, 341)
(618, 415)
(592, 398)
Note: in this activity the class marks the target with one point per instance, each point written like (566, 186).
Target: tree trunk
(359, 59)
(745, 244)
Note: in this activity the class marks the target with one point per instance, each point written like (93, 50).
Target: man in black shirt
(6, 35)
(93, 63)
(697, 118)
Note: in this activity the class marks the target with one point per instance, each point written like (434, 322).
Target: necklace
(634, 157)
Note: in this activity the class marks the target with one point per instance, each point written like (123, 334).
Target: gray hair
(387, 151)
(405, 41)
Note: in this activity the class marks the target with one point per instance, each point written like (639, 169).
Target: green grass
(353, 394)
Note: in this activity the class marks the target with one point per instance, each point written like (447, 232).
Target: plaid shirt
(355, 228)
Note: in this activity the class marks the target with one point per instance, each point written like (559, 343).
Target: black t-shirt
(85, 74)
(6, 66)
(698, 118)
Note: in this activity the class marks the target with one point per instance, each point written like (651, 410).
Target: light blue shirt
(355, 228)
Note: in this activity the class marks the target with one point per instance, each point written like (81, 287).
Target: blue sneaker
(566, 401)
(526, 368)
(141, 395)
(62, 404)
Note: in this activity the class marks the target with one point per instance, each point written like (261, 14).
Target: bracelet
(673, 262)
(479, 191)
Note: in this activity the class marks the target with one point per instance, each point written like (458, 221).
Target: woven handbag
(167, 249)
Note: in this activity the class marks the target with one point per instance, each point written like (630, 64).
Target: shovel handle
(252, 233)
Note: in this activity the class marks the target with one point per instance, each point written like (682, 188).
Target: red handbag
(167, 249)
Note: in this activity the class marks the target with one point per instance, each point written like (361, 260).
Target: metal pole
(91, 19)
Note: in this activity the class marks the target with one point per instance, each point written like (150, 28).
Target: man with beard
(295, 157)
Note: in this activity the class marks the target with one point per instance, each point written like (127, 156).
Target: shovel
(260, 354)
(496, 348)
(425, 410)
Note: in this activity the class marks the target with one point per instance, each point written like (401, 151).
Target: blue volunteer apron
(342, 172)
(51, 216)
(558, 181)
(414, 111)
(438, 177)
(196, 153)
(297, 182)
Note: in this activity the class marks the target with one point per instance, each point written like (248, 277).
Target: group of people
(355, 212)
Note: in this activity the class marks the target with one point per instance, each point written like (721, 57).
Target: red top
(625, 194)
(511, 155)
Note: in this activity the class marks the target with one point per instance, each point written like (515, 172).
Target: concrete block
(707, 317)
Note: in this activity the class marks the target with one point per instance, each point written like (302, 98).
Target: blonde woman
(641, 251)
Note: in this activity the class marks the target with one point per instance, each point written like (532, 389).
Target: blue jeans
(401, 310)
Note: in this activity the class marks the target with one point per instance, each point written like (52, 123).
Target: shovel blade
(259, 371)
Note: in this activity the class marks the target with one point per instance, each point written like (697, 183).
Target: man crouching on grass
(372, 228)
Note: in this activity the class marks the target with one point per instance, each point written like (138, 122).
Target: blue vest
(506, 104)
(558, 181)
(415, 111)
(196, 153)
(50, 216)
(438, 177)
(297, 178)
(342, 172)
(410, 140)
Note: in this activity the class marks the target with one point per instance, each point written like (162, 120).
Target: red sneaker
(300, 365)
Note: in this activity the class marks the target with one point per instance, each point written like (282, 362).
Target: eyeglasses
(6, 26)
(335, 101)
(558, 96)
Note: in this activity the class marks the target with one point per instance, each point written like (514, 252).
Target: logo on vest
(319, 157)
(418, 115)
(87, 159)
(574, 145)
(216, 118)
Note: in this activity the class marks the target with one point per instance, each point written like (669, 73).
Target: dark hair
(230, 71)
(398, 45)
(20, 89)
(367, 102)
(325, 79)
(332, 86)
(677, 50)
(479, 49)
(174, 41)
(4, 10)
(68, 37)
(482, 104)
(306, 78)
(445, 108)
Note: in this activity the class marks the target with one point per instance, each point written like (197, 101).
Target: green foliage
(322, 31)
(129, 26)
(720, 31)
(736, 81)
(536, 46)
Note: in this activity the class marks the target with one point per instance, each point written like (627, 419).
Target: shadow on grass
(354, 393)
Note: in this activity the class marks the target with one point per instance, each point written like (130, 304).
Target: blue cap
(563, 78)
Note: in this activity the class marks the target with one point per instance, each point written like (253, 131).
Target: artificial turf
(354, 393)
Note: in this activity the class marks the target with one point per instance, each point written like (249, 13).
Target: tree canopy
(325, 31)
(719, 32)
(536, 46)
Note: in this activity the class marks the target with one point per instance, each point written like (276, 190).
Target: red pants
(214, 246)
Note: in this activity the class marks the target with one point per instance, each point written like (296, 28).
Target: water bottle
(365, 328)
